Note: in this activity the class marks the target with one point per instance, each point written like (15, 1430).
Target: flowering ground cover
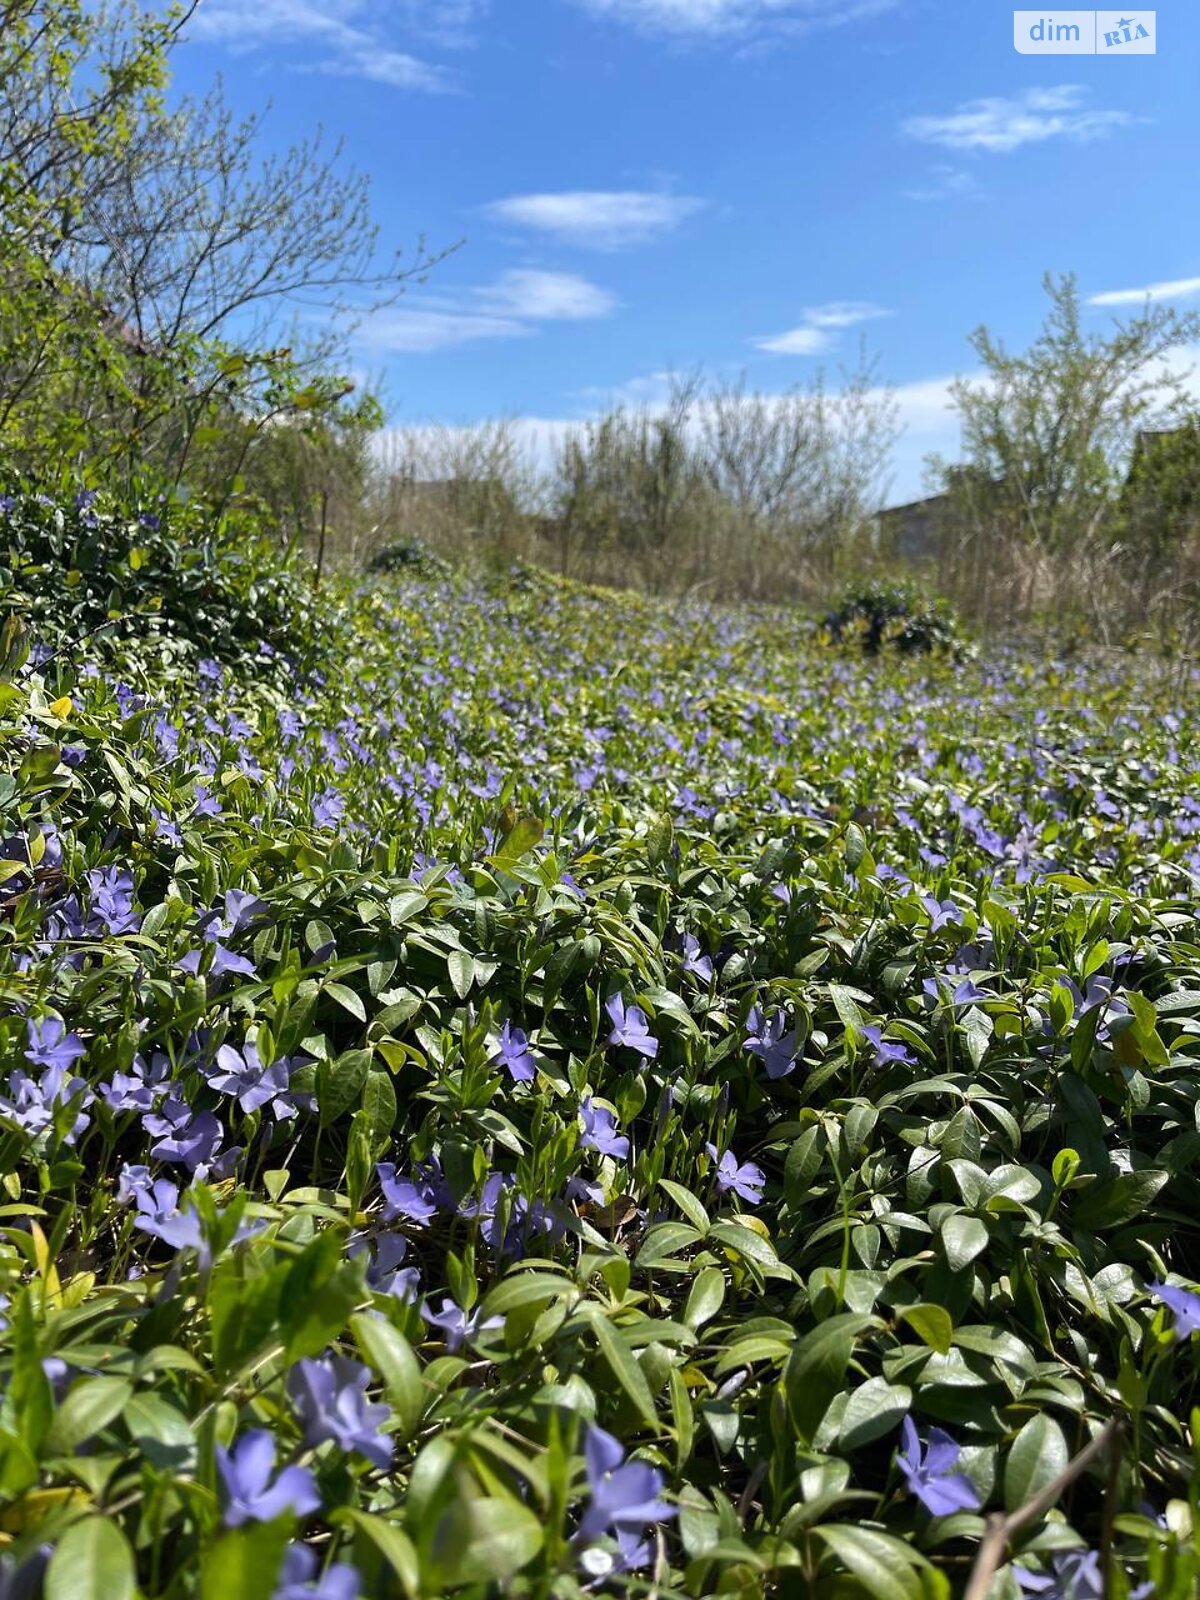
(574, 1096)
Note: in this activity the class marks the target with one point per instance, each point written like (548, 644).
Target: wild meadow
(511, 1087)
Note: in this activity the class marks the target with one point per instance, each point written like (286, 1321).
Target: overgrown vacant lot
(582, 1095)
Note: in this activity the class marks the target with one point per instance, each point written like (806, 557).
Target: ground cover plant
(571, 1095)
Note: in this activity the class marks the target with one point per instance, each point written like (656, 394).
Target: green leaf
(817, 1367)
(1038, 1454)
(340, 1084)
(93, 1561)
(392, 1543)
(963, 1238)
(886, 1567)
(875, 1408)
(461, 968)
(389, 1352)
(705, 1297)
(245, 1561)
(525, 833)
(504, 1536)
(931, 1323)
(87, 1410)
(625, 1368)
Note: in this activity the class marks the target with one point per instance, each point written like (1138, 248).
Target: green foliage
(564, 1012)
(81, 563)
(875, 616)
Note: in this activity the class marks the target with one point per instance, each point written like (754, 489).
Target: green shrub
(898, 616)
(79, 564)
(408, 555)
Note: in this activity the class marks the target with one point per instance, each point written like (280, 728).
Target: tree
(152, 294)
(1047, 433)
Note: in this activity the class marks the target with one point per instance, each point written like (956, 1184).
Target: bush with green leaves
(589, 1097)
(80, 563)
(874, 616)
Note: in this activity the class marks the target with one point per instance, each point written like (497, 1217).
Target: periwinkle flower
(300, 1578)
(930, 1472)
(600, 1131)
(1073, 1575)
(766, 1038)
(942, 913)
(242, 1076)
(630, 1028)
(50, 1045)
(624, 1494)
(694, 959)
(418, 1198)
(746, 1180)
(1184, 1303)
(458, 1327)
(886, 1050)
(330, 1396)
(252, 1492)
(512, 1053)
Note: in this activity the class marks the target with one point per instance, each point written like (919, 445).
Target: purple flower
(746, 1181)
(223, 961)
(1183, 1302)
(694, 959)
(249, 1494)
(930, 1472)
(328, 808)
(417, 1198)
(886, 1049)
(765, 1038)
(385, 1272)
(630, 1028)
(330, 1396)
(600, 1131)
(458, 1327)
(180, 1136)
(513, 1052)
(243, 1077)
(298, 1579)
(111, 901)
(942, 913)
(51, 1046)
(624, 1494)
(1075, 1575)
(141, 1087)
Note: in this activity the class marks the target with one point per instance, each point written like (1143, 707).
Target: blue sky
(747, 185)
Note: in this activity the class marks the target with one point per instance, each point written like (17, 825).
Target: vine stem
(1000, 1528)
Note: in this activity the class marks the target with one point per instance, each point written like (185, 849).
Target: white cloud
(797, 342)
(548, 296)
(1176, 289)
(418, 331)
(947, 183)
(816, 333)
(716, 19)
(599, 219)
(1000, 126)
(349, 41)
(510, 308)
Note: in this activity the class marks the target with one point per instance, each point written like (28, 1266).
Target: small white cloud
(594, 218)
(947, 183)
(715, 19)
(510, 308)
(419, 331)
(816, 334)
(1176, 289)
(797, 342)
(548, 296)
(349, 41)
(843, 313)
(1001, 126)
